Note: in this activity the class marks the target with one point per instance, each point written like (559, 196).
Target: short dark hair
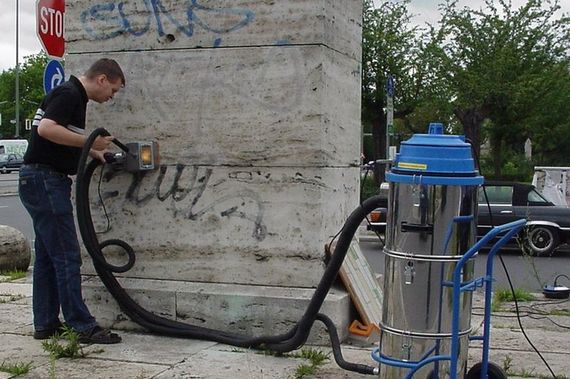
(108, 67)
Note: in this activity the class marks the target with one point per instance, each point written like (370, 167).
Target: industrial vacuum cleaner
(429, 267)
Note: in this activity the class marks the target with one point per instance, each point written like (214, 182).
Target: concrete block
(270, 106)
(239, 309)
(256, 106)
(225, 224)
(135, 25)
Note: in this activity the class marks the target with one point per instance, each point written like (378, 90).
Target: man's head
(103, 79)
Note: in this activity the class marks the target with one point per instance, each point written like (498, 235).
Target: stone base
(241, 309)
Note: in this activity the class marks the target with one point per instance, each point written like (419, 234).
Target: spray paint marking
(192, 190)
(114, 18)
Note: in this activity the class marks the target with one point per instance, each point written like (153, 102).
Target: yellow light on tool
(146, 156)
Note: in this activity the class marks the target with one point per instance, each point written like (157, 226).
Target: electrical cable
(507, 275)
(285, 342)
(108, 228)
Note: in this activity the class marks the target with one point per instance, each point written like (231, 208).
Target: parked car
(548, 225)
(547, 228)
(10, 162)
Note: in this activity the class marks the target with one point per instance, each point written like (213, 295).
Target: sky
(425, 10)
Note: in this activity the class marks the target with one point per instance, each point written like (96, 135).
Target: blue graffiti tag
(111, 19)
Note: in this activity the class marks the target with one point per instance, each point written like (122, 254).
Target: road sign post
(389, 112)
(50, 26)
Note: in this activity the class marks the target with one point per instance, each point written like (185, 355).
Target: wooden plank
(362, 285)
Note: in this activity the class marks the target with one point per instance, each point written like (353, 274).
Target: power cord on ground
(508, 276)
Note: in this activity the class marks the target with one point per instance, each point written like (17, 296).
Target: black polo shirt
(66, 105)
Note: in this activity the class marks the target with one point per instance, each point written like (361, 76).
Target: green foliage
(17, 369)
(499, 74)
(508, 66)
(368, 187)
(316, 358)
(391, 46)
(515, 168)
(13, 274)
(502, 295)
(31, 93)
(69, 349)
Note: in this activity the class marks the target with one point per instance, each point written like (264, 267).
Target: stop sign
(50, 26)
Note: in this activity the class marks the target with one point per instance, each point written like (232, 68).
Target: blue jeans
(46, 194)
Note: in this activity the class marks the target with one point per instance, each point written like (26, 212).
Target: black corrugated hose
(286, 342)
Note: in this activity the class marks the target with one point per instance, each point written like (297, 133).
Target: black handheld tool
(121, 145)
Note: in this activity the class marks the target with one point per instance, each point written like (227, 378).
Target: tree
(499, 64)
(390, 46)
(31, 93)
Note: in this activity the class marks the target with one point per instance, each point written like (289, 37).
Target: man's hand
(102, 143)
(98, 154)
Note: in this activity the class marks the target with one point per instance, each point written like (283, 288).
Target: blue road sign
(53, 75)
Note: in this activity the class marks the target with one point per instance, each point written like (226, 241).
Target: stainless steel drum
(431, 223)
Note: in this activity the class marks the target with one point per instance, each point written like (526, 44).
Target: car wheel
(541, 240)
(3, 170)
(493, 371)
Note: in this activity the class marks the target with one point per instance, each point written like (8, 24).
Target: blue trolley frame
(508, 231)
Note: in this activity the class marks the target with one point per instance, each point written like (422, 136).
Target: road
(526, 272)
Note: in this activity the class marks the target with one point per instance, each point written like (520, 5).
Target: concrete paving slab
(95, 369)
(143, 356)
(544, 340)
(147, 348)
(351, 354)
(16, 289)
(525, 363)
(16, 349)
(226, 362)
(15, 317)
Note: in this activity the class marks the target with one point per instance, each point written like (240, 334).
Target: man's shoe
(99, 335)
(48, 333)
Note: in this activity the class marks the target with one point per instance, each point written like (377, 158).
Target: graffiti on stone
(111, 19)
(184, 190)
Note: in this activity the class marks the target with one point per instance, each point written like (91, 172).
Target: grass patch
(7, 298)
(13, 275)
(18, 368)
(503, 295)
(305, 370)
(316, 358)
(71, 348)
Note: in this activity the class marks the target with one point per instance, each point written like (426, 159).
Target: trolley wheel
(493, 372)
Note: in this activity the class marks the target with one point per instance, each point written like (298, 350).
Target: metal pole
(17, 69)
(389, 116)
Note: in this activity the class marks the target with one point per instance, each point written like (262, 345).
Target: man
(58, 134)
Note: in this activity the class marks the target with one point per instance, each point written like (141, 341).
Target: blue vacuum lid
(435, 158)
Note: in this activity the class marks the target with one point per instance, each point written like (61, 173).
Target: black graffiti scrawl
(184, 195)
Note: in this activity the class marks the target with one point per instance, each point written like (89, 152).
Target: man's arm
(56, 133)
